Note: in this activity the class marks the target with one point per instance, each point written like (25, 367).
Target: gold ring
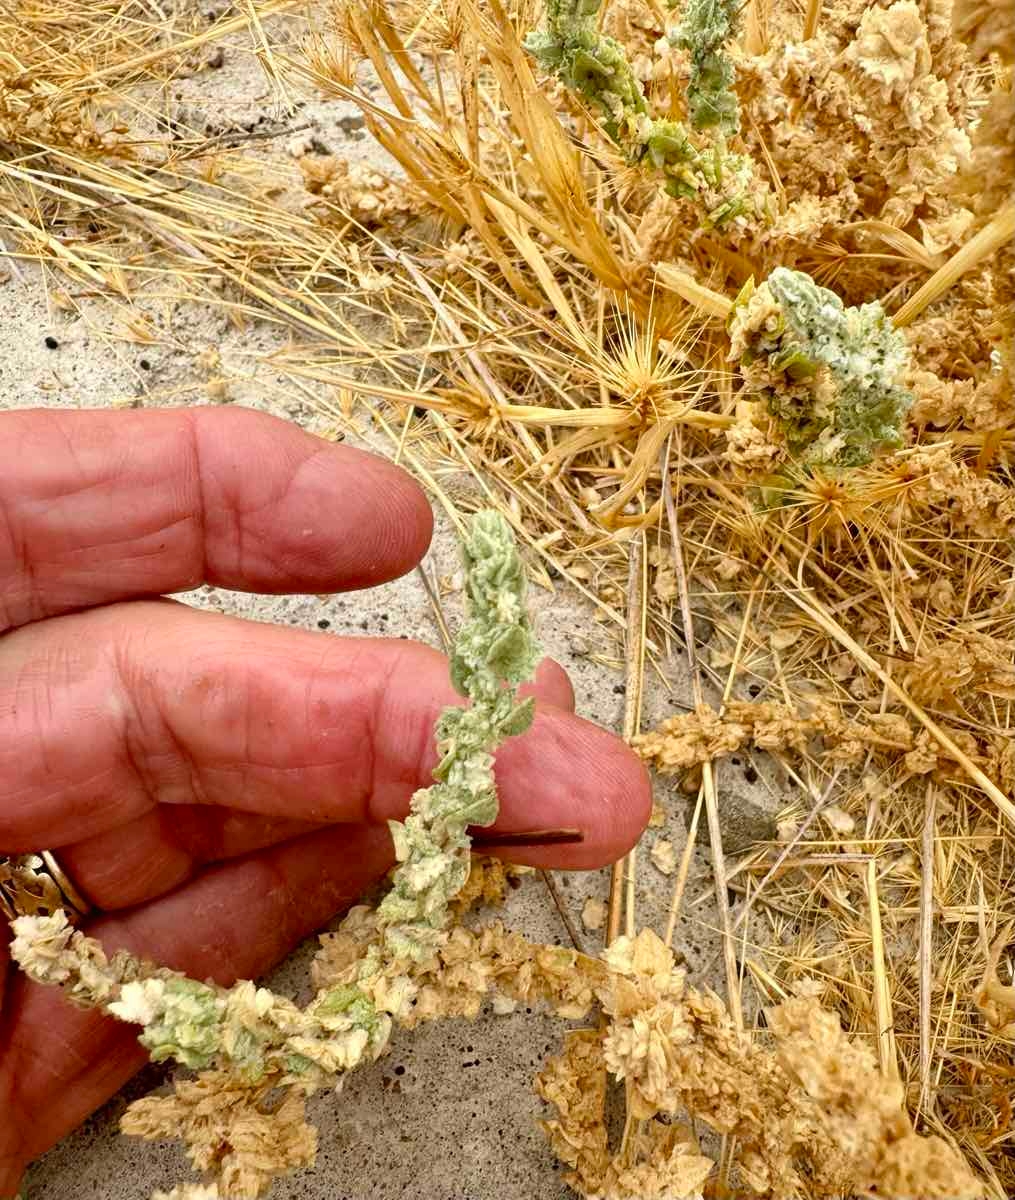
(36, 885)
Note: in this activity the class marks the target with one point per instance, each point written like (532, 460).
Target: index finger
(98, 506)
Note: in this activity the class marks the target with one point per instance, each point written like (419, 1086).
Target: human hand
(216, 787)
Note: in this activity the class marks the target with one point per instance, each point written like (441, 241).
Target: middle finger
(106, 715)
(166, 845)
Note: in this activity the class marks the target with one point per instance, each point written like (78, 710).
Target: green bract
(589, 63)
(186, 1025)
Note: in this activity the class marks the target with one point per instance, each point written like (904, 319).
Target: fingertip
(632, 805)
(615, 805)
(284, 510)
(551, 685)
(365, 520)
(567, 773)
(398, 516)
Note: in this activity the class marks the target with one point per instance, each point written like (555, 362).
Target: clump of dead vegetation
(561, 318)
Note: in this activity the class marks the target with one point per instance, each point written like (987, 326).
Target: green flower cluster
(829, 373)
(494, 650)
(706, 28)
(184, 1019)
(590, 64)
(596, 68)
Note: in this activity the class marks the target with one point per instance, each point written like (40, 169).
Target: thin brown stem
(707, 771)
(926, 944)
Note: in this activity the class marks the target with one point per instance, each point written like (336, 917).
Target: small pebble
(663, 856)
(593, 914)
(838, 820)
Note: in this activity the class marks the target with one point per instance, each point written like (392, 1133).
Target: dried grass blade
(60, 251)
(677, 899)
(821, 801)
(926, 944)
(996, 233)
(363, 24)
(707, 772)
(756, 27)
(556, 161)
(399, 52)
(882, 989)
(529, 250)
(715, 304)
(900, 241)
(131, 66)
(266, 56)
(474, 203)
(634, 648)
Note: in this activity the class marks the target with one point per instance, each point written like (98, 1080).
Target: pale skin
(218, 788)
